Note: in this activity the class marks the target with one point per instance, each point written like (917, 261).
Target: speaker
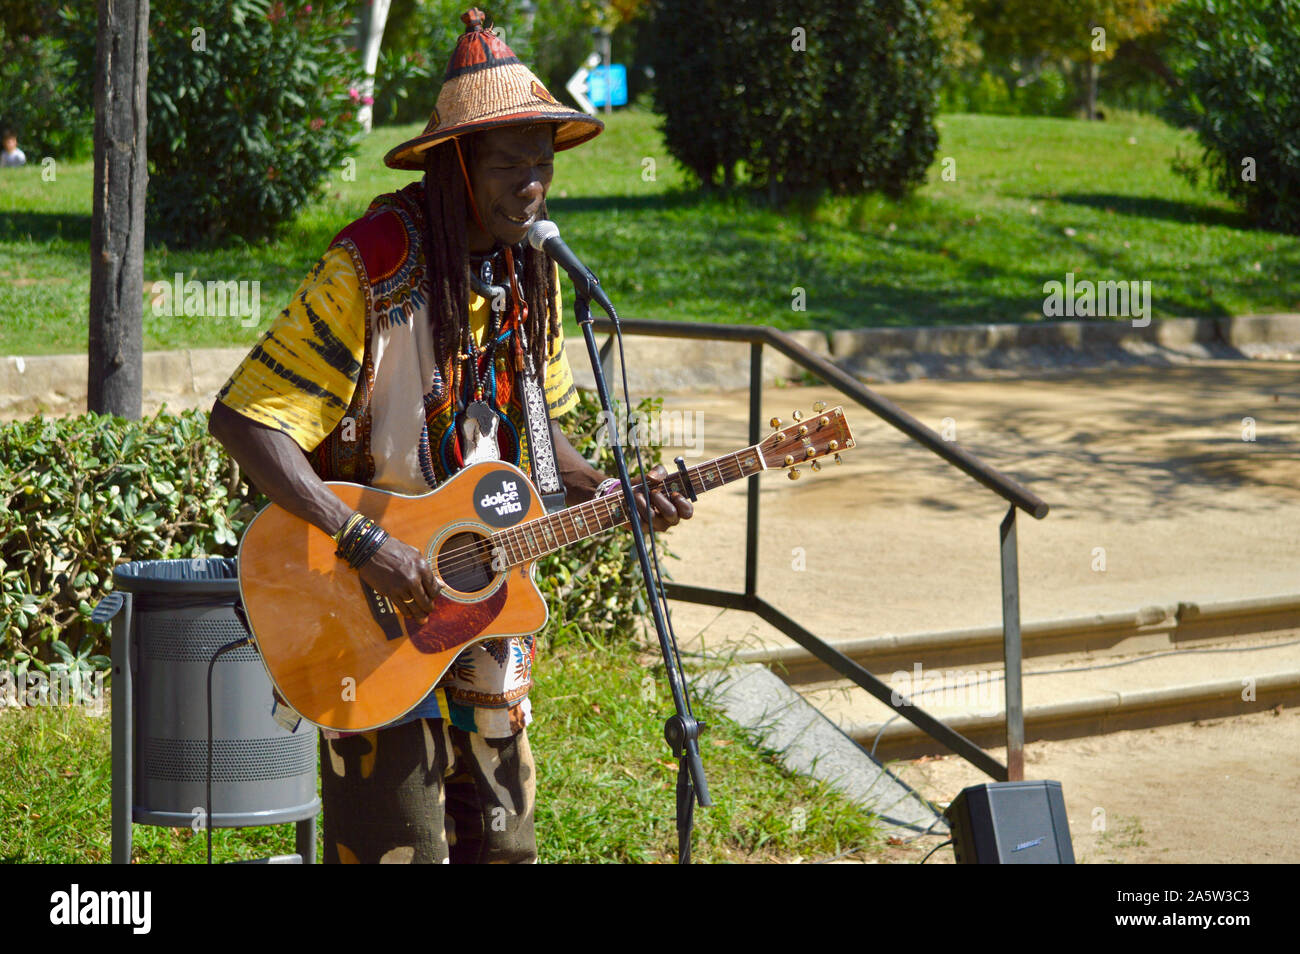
(1010, 823)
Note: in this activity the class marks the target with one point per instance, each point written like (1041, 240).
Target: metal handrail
(1009, 490)
(1002, 485)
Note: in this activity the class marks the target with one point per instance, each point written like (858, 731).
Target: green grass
(605, 783)
(976, 249)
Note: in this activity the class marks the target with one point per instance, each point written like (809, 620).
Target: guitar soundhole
(465, 562)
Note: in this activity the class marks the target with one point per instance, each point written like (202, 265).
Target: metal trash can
(169, 618)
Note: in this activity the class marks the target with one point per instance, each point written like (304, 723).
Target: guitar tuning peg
(819, 406)
(838, 460)
(797, 415)
(776, 423)
(793, 473)
(816, 465)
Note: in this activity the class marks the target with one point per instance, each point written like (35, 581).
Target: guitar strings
(471, 556)
(474, 555)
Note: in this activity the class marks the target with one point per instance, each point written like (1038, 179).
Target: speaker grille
(178, 638)
(241, 760)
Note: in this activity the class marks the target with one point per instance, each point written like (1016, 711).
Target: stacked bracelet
(359, 539)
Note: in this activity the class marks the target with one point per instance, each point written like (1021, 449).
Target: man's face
(510, 171)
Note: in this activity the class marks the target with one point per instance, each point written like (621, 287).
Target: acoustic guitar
(345, 658)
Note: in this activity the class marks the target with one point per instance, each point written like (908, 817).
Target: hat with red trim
(486, 87)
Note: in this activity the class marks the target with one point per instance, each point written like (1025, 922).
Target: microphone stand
(681, 730)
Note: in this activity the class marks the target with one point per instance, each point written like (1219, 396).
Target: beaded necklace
(508, 314)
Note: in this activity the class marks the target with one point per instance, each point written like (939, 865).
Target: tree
(1238, 71)
(1085, 32)
(836, 98)
(370, 33)
(117, 217)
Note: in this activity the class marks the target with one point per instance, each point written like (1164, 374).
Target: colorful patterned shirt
(349, 371)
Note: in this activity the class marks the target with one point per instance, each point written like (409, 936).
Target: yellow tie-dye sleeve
(561, 394)
(300, 376)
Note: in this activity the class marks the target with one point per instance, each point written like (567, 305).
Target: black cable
(942, 844)
(207, 818)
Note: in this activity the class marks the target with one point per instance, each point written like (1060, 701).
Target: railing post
(1015, 707)
(607, 360)
(751, 512)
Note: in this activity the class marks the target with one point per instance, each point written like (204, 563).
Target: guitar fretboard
(536, 538)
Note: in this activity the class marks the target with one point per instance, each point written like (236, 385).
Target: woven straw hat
(487, 87)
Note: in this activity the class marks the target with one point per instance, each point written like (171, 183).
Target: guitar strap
(546, 472)
(537, 419)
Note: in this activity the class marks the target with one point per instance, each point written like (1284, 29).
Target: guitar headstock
(806, 440)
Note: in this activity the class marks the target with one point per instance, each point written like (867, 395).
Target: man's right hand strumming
(400, 573)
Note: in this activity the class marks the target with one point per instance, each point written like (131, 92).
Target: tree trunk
(1092, 89)
(117, 217)
(370, 33)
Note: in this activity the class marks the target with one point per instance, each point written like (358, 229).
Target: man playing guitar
(408, 353)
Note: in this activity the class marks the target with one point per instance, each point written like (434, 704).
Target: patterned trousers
(428, 792)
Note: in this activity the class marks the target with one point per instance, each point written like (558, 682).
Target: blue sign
(611, 83)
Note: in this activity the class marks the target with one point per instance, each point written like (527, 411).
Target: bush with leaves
(594, 588)
(1238, 69)
(42, 102)
(420, 36)
(83, 494)
(252, 104)
(840, 98)
(418, 39)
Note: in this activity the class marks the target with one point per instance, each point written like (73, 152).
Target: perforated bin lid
(216, 576)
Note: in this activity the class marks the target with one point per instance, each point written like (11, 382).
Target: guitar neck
(536, 538)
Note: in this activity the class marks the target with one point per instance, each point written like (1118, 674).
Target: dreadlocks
(447, 259)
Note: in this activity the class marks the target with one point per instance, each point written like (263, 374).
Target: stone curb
(810, 744)
(1090, 716)
(900, 353)
(661, 365)
(191, 377)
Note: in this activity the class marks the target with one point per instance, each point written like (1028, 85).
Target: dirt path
(1144, 467)
(1218, 792)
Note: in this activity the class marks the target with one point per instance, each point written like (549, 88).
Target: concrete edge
(1167, 618)
(664, 365)
(1117, 710)
(812, 745)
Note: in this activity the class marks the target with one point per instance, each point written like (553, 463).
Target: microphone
(545, 237)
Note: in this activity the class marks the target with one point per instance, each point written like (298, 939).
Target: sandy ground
(1216, 792)
(1145, 467)
(1155, 498)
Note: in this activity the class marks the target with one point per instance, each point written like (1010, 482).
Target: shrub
(251, 105)
(1238, 67)
(419, 38)
(836, 98)
(43, 103)
(83, 494)
(594, 588)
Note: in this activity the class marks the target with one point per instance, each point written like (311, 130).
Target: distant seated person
(11, 155)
